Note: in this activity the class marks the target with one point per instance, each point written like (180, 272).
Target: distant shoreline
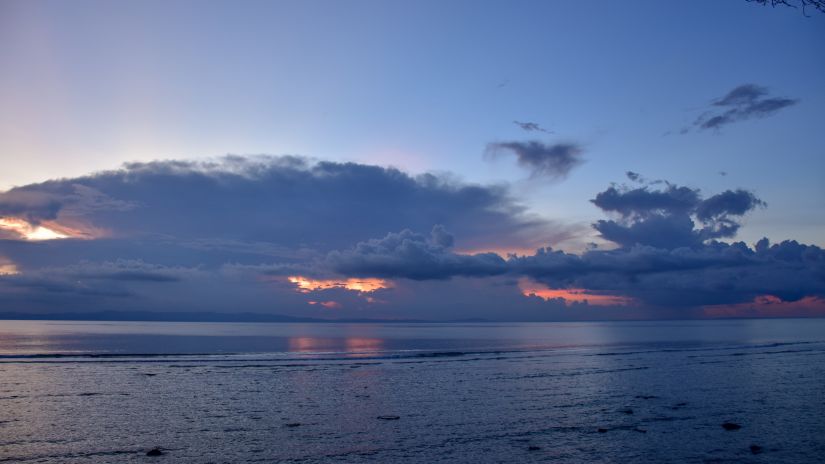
(152, 316)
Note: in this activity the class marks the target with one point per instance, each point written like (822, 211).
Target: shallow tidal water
(96, 392)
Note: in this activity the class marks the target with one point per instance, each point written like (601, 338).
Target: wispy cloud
(532, 127)
(748, 101)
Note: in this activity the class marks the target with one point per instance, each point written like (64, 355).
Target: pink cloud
(770, 306)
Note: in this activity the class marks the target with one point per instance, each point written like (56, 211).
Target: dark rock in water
(154, 452)
(756, 449)
(149, 374)
(533, 448)
(731, 426)
(389, 417)
(601, 430)
(626, 411)
(293, 424)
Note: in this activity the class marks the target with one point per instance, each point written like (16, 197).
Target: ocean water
(619, 392)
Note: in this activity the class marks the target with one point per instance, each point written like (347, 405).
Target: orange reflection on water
(306, 285)
(364, 344)
(303, 344)
(572, 295)
(350, 344)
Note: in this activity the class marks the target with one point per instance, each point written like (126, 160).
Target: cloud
(743, 95)
(668, 255)
(276, 234)
(701, 274)
(531, 127)
(32, 206)
(41, 202)
(728, 203)
(745, 102)
(640, 179)
(413, 256)
(87, 285)
(667, 217)
(770, 306)
(714, 273)
(125, 271)
(286, 202)
(670, 231)
(244, 224)
(643, 201)
(543, 160)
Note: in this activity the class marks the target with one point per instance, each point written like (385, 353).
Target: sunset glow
(326, 304)
(7, 268)
(571, 295)
(412, 231)
(306, 285)
(770, 306)
(503, 252)
(50, 230)
(29, 231)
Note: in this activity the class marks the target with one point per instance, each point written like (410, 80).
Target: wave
(267, 359)
(357, 357)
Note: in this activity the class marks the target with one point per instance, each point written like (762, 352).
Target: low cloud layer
(413, 256)
(668, 254)
(712, 273)
(748, 101)
(296, 237)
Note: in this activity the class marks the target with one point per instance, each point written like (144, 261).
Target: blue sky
(427, 86)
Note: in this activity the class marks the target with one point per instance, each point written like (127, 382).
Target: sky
(516, 160)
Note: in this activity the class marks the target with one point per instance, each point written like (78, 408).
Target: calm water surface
(569, 392)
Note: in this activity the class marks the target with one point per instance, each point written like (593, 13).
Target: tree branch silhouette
(818, 5)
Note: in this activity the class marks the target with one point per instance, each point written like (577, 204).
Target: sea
(701, 391)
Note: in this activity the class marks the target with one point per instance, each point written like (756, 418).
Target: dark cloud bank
(223, 236)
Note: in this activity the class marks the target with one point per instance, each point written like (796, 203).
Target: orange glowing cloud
(368, 285)
(571, 295)
(29, 231)
(503, 252)
(770, 306)
(7, 267)
(46, 230)
(326, 304)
